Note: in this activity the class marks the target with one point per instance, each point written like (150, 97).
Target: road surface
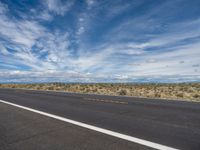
(175, 124)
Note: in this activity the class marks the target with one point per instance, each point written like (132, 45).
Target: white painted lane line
(91, 127)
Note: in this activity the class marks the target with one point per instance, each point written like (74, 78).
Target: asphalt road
(171, 123)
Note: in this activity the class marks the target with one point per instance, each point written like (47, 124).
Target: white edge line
(91, 127)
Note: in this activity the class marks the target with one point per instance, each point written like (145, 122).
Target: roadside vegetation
(183, 91)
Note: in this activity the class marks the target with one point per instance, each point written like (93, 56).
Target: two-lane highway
(171, 123)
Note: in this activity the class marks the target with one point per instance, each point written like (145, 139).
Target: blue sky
(99, 41)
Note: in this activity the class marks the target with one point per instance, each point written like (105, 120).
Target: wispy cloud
(97, 41)
(58, 7)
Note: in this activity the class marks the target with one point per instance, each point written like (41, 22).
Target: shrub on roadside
(122, 92)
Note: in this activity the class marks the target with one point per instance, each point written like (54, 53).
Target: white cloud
(167, 62)
(81, 19)
(20, 31)
(3, 8)
(64, 76)
(50, 54)
(130, 51)
(80, 30)
(83, 23)
(3, 50)
(59, 7)
(43, 15)
(90, 60)
(20, 36)
(41, 76)
(90, 2)
(151, 60)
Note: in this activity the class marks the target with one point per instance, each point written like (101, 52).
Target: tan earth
(181, 91)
